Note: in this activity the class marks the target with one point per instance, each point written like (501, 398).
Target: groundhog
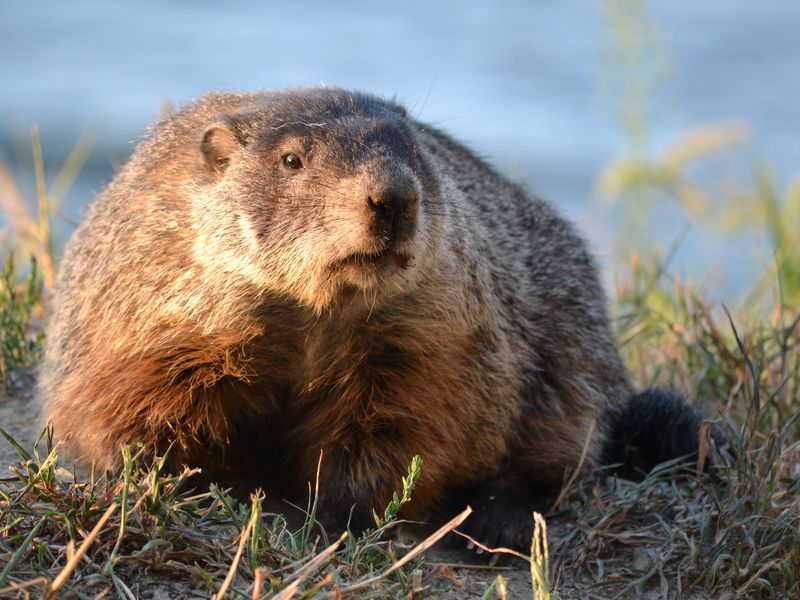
(276, 274)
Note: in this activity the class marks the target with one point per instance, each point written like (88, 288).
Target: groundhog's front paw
(501, 520)
(340, 513)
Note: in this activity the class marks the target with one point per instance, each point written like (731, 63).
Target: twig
(419, 549)
(237, 557)
(65, 573)
(576, 472)
(258, 583)
(307, 569)
(469, 566)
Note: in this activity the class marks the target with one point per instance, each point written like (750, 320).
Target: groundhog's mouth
(372, 260)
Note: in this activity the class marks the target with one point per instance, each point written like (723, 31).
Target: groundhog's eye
(292, 161)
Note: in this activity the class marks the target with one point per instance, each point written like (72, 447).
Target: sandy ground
(19, 416)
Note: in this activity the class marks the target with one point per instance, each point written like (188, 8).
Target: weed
(21, 337)
(729, 533)
(699, 173)
(61, 532)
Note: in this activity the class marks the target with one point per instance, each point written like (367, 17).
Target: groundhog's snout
(393, 205)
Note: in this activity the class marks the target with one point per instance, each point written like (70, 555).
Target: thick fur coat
(275, 274)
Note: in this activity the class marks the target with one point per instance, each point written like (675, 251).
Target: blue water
(520, 81)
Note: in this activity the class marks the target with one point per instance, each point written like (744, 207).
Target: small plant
(29, 231)
(699, 173)
(60, 532)
(409, 481)
(21, 338)
(733, 533)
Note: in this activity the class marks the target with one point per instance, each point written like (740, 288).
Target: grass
(708, 173)
(21, 336)
(738, 532)
(96, 536)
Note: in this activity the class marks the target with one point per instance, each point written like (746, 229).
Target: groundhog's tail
(652, 427)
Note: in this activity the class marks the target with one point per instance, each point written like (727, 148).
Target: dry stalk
(65, 573)
(307, 569)
(418, 549)
(237, 557)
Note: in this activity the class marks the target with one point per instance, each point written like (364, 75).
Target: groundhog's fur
(380, 293)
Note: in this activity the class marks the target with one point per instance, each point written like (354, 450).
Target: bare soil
(19, 416)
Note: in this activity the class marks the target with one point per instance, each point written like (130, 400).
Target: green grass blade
(20, 552)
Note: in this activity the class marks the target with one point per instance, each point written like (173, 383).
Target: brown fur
(216, 298)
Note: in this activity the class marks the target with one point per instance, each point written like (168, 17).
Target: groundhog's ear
(219, 142)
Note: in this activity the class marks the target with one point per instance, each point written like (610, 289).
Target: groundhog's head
(320, 194)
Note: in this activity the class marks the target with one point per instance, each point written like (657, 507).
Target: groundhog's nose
(394, 210)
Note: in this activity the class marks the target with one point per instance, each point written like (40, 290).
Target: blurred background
(660, 128)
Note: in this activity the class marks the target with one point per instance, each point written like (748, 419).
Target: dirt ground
(20, 417)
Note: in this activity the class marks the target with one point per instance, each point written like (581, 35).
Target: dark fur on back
(277, 274)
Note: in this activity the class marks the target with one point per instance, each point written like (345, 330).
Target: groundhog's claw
(500, 520)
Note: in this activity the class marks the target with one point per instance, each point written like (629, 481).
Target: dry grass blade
(576, 472)
(258, 582)
(223, 589)
(499, 588)
(65, 573)
(703, 446)
(17, 590)
(13, 204)
(700, 142)
(32, 234)
(41, 190)
(307, 569)
(420, 548)
(751, 369)
(43, 238)
(540, 559)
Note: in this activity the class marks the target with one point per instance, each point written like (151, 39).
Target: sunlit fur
(215, 298)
